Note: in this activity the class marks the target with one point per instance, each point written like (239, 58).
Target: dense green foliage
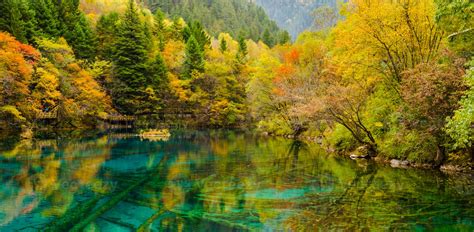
(28, 19)
(19, 19)
(460, 125)
(232, 16)
(456, 18)
(130, 59)
(194, 62)
(76, 29)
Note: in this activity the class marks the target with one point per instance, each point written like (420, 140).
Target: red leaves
(432, 91)
(292, 56)
(287, 69)
(9, 44)
(16, 61)
(30, 53)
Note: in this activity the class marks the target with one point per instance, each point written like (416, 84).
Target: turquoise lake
(218, 181)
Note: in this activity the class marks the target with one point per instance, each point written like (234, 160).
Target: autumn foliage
(17, 62)
(32, 84)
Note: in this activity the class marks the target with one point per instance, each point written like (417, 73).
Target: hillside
(294, 16)
(233, 16)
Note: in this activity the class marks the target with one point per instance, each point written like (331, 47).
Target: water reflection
(218, 180)
(42, 177)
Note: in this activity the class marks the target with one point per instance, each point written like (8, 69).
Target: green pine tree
(130, 58)
(241, 55)
(68, 11)
(284, 38)
(223, 45)
(148, 35)
(29, 19)
(160, 29)
(267, 38)
(177, 29)
(18, 19)
(159, 82)
(76, 29)
(10, 19)
(161, 42)
(106, 29)
(158, 72)
(194, 58)
(242, 52)
(196, 30)
(159, 21)
(47, 18)
(82, 39)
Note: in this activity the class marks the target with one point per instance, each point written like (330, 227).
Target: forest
(388, 78)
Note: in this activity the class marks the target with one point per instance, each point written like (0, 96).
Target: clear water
(218, 181)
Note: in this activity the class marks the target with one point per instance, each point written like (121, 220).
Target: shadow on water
(216, 181)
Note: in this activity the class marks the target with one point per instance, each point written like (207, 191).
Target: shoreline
(448, 168)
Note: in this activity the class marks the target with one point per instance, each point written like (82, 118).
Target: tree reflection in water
(50, 173)
(218, 180)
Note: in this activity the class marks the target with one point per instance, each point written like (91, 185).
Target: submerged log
(76, 219)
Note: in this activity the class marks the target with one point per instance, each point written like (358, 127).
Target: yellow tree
(46, 92)
(64, 83)
(386, 36)
(370, 50)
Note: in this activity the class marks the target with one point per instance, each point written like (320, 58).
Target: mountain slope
(232, 16)
(294, 16)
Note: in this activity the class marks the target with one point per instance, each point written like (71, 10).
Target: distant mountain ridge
(295, 16)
